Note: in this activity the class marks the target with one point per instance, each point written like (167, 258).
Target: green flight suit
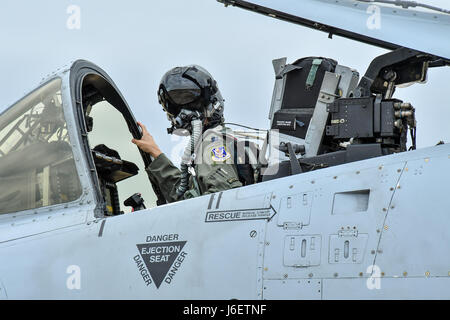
(214, 168)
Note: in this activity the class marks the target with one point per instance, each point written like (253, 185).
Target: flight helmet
(190, 93)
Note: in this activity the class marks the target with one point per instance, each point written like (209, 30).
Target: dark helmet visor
(174, 100)
(181, 90)
(184, 96)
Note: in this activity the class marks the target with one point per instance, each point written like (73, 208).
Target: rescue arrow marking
(241, 215)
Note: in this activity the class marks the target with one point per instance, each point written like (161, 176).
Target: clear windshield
(37, 168)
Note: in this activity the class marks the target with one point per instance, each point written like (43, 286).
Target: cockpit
(119, 164)
(68, 143)
(70, 138)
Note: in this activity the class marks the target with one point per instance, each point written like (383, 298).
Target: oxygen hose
(187, 159)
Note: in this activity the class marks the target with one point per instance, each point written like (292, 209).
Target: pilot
(194, 106)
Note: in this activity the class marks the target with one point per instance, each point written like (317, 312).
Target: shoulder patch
(219, 154)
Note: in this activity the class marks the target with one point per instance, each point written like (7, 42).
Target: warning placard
(160, 257)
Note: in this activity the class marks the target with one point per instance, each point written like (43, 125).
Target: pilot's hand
(147, 143)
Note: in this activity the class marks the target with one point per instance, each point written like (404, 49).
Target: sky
(137, 41)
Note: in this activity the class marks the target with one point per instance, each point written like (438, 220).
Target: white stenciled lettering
(159, 258)
(161, 249)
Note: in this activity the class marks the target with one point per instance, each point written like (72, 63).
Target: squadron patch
(220, 154)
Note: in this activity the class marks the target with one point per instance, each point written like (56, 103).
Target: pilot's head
(189, 93)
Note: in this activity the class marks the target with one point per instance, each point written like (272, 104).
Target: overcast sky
(136, 42)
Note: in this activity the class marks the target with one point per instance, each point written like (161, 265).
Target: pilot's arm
(161, 170)
(214, 174)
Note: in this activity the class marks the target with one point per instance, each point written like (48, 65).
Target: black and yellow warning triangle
(159, 257)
